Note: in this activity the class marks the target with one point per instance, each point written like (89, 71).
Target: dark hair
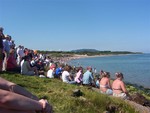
(106, 74)
(1, 28)
(67, 68)
(26, 57)
(79, 68)
(119, 75)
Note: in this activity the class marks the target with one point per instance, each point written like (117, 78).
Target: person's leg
(3, 110)
(72, 82)
(123, 96)
(31, 73)
(109, 92)
(4, 62)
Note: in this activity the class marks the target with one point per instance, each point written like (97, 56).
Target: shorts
(108, 92)
(121, 95)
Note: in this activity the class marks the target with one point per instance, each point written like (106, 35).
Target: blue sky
(116, 25)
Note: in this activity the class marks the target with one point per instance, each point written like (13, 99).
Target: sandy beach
(77, 56)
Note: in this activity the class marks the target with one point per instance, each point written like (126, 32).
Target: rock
(112, 108)
(77, 93)
(139, 108)
(140, 99)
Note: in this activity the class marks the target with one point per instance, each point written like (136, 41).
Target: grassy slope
(59, 95)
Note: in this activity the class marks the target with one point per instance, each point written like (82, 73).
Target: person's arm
(123, 87)
(92, 77)
(10, 100)
(9, 86)
(109, 84)
(70, 78)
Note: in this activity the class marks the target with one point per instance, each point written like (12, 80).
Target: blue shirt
(87, 77)
(58, 71)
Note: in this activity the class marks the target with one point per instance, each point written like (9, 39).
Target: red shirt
(11, 62)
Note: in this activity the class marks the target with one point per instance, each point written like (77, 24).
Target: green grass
(59, 94)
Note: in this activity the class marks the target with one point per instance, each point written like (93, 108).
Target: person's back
(88, 77)
(78, 77)
(58, 72)
(105, 86)
(25, 67)
(6, 44)
(65, 76)
(104, 82)
(11, 62)
(51, 71)
(118, 87)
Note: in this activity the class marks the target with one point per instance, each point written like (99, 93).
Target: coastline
(76, 56)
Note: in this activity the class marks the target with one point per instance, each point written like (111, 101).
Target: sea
(135, 67)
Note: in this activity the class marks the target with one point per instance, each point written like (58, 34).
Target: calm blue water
(136, 68)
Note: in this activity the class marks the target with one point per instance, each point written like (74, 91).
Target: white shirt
(65, 76)
(50, 73)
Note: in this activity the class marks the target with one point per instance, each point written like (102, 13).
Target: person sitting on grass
(105, 86)
(11, 62)
(26, 69)
(58, 71)
(118, 86)
(15, 99)
(51, 71)
(79, 75)
(88, 78)
(66, 77)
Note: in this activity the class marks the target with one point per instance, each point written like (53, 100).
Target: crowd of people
(30, 62)
(13, 98)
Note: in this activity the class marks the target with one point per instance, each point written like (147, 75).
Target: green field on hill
(59, 94)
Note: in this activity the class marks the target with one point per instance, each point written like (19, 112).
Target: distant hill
(85, 50)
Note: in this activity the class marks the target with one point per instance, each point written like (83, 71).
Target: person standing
(1, 48)
(6, 49)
